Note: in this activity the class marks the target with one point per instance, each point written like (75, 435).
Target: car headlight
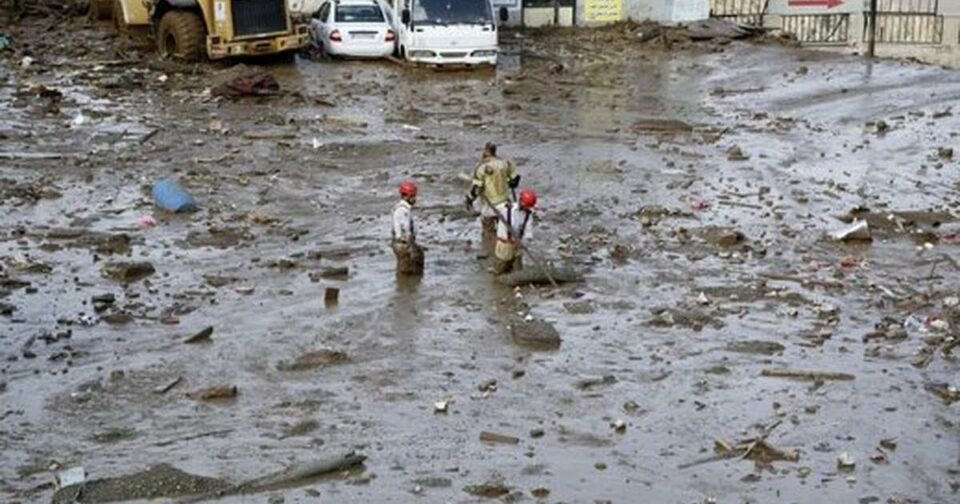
(422, 54)
(484, 53)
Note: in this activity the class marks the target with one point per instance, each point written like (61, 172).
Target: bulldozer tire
(182, 35)
(101, 10)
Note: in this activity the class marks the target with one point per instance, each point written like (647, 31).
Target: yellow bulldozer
(190, 29)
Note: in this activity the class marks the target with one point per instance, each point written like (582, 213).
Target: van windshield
(444, 12)
(359, 14)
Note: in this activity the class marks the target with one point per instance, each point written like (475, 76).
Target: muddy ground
(694, 184)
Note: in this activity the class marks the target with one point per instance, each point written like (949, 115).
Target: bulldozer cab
(192, 29)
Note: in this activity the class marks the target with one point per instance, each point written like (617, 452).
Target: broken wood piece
(163, 389)
(804, 374)
(493, 437)
(217, 392)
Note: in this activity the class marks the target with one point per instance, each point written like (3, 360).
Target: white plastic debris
(939, 325)
(441, 406)
(859, 230)
(703, 299)
(26, 62)
(951, 301)
(411, 127)
(163, 78)
(71, 476)
(79, 119)
(845, 461)
(316, 143)
(618, 425)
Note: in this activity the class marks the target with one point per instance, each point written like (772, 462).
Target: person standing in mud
(409, 255)
(494, 180)
(515, 221)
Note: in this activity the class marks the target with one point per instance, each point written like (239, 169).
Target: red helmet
(528, 199)
(408, 189)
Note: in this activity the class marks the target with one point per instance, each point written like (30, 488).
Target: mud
(626, 133)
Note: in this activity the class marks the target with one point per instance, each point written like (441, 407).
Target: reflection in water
(408, 285)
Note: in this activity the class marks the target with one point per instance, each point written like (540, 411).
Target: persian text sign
(602, 11)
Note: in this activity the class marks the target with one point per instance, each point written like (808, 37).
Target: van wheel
(100, 10)
(182, 35)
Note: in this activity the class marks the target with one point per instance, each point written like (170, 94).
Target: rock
(537, 334)
(201, 337)
(537, 433)
(490, 490)
(128, 272)
(540, 492)
(721, 237)
(217, 392)
(7, 309)
(314, 359)
(218, 237)
(661, 126)
(882, 127)
(102, 301)
(276, 499)
(945, 152)
(755, 347)
(735, 153)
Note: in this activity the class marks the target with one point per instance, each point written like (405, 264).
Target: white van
(447, 32)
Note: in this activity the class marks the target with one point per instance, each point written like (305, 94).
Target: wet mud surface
(695, 185)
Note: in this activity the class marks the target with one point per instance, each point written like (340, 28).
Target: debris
(948, 393)
(755, 347)
(163, 389)
(334, 273)
(169, 196)
(72, 476)
(488, 386)
(945, 152)
(889, 443)
(618, 426)
(802, 374)
(858, 231)
(257, 84)
(494, 488)
(441, 406)
(128, 272)
(201, 337)
(160, 481)
(216, 392)
(146, 222)
(288, 476)
(537, 433)
(314, 359)
(845, 462)
(331, 296)
(589, 383)
(492, 437)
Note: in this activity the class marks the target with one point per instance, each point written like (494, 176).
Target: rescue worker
(514, 225)
(493, 181)
(409, 255)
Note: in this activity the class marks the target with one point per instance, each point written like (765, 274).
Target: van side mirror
(504, 15)
(405, 16)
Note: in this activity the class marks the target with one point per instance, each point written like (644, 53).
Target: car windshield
(359, 14)
(444, 12)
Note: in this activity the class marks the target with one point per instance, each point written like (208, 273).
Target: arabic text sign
(602, 11)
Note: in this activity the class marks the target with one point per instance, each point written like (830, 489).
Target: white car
(353, 28)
